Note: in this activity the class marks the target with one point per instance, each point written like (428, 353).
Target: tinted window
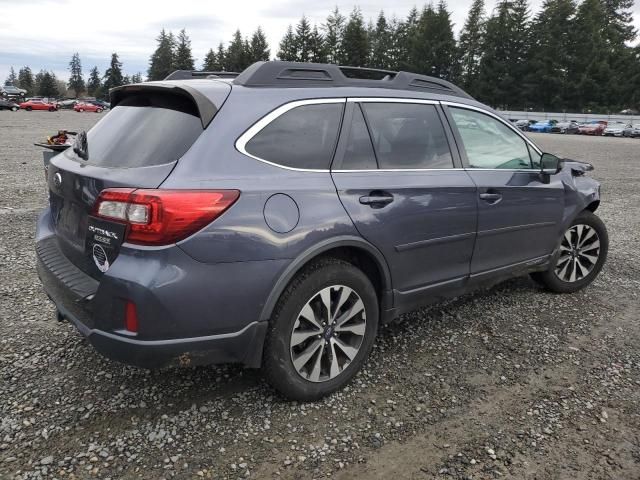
(408, 135)
(489, 143)
(359, 152)
(144, 129)
(303, 137)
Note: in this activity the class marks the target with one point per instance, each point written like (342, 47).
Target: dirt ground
(511, 382)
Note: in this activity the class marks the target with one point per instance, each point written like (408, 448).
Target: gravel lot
(512, 382)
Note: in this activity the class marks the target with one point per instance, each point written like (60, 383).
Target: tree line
(46, 84)
(569, 55)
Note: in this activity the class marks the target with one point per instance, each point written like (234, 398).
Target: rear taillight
(162, 217)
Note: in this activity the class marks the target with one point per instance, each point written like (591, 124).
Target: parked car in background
(570, 126)
(36, 104)
(100, 103)
(543, 127)
(87, 107)
(615, 129)
(524, 124)
(595, 127)
(632, 131)
(67, 104)
(9, 91)
(6, 104)
(331, 206)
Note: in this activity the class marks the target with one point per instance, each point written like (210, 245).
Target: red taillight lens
(131, 317)
(161, 217)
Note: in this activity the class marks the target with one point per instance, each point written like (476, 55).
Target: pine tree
(47, 84)
(136, 78)
(470, 46)
(162, 61)
(433, 47)
(381, 44)
(355, 41)
(12, 79)
(302, 40)
(258, 48)
(287, 50)
(183, 59)
(26, 81)
(94, 83)
(317, 47)
(404, 37)
(76, 79)
(221, 55)
(333, 30)
(547, 84)
(237, 58)
(113, 75)
(210, 62)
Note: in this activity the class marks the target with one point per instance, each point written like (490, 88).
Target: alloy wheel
(328, 333)
(579, 253)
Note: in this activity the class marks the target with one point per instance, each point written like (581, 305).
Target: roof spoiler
(206, 108)
(194, 74)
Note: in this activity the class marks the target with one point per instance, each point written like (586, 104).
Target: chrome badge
(100, 258)
(57, 180)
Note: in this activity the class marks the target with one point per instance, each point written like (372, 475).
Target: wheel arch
(353, 249)
(593, 206)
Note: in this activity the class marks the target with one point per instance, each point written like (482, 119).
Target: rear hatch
(136, 145)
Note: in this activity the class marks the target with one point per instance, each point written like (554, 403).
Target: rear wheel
(28, 109)
(99, 110)
(322, 330)
(52, 109)
(81, 109)
(14, 109)
(579, 257)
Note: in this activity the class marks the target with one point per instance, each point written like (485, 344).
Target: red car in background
(595, 127)
(87, 107)
(37, 104)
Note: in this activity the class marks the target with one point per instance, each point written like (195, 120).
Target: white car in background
(615, 129)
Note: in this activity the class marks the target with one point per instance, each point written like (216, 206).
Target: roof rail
(296, 74)
(193, 74)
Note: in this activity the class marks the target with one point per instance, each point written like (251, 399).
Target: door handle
(491, 197)
(376, 199)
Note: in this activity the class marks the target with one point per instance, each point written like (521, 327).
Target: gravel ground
(512, 382)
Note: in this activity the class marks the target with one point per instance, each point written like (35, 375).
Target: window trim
(495, 116)
(241, 142)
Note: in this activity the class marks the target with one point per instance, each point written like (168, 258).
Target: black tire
(277, 361)
(551, 281)
(14, 109)
(52, 109)
(28, 109)
(99, 110)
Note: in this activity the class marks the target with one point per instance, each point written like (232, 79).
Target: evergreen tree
(183, 59)
(76, 79)
(547, 84)
(404, 40)
(126, 80)
(47, 84)
(302, 40)
(258, 48)
(221, 55)
(94, 84)
(26, 81)
(288, 47)
(333, 36)
(113, 75)
(210, 62)
(162, 62)
(237, 58)
(12, 79)
(355, 50)
(433, 47)
(381, 44)
(317, 48)
(470, 46)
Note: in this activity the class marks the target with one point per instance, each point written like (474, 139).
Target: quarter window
(359, 152)
(489, 143)
(303, 137)
(408, 136)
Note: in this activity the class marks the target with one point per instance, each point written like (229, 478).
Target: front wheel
(579, 257)
(322, 330)
(28, 109)
(14, 109)
(99, 110)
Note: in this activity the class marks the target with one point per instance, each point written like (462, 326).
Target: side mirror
(549, 164)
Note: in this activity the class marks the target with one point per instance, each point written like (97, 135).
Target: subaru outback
(277, 218)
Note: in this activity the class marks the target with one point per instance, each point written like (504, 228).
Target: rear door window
(303, 137)
(143, 130)
(408, 136)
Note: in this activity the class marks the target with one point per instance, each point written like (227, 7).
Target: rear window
(303, 137)
(143, 130)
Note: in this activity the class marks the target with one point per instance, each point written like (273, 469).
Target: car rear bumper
(189, 313)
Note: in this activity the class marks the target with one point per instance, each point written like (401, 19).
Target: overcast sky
(45, 33)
